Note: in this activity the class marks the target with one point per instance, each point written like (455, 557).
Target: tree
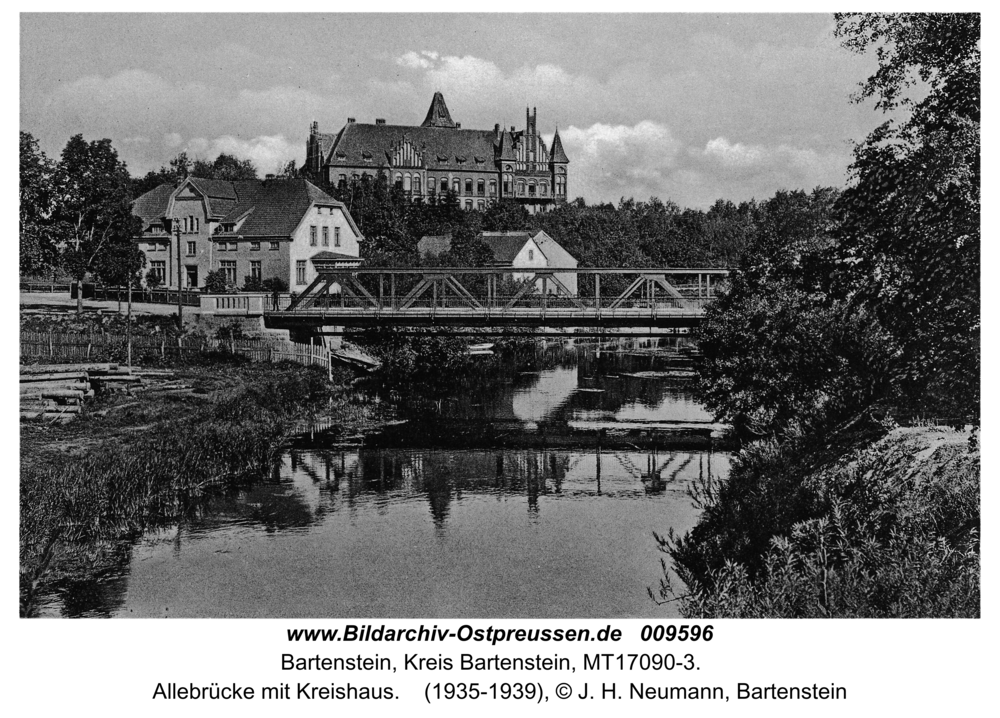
(180, 167)
(93, 206)
(216, 282)
(38, 251)
(911, 237)
(225, 167)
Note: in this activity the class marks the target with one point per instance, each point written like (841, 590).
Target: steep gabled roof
(362, 144)
(505, 245)
(558, 154)
(152, 206)
(437, 114)
(273, 208)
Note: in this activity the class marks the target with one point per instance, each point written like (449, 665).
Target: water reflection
(448, 515)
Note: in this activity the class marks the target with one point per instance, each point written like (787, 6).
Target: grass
(90, 485)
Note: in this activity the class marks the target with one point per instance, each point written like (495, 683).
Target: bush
(216, 283)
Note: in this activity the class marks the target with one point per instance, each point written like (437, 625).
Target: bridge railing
(581, 292)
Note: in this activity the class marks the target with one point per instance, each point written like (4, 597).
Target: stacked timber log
(57, 391)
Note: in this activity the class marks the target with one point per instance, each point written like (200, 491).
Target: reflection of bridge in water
(350, 478)
(491, 297)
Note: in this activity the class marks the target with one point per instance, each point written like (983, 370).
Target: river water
(536, 496)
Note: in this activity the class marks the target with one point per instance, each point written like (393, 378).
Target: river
(536, 496)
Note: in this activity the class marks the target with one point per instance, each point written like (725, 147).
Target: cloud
(608, 162)
(269, 153)
(202, 119)
(732, 155)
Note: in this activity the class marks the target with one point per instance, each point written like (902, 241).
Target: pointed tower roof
(558, 154)
(437, 114)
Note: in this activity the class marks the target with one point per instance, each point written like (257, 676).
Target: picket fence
(55, 348)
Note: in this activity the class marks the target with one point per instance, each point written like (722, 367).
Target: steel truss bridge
(617, 299)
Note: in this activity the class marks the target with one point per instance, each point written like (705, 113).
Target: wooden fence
(55, 348)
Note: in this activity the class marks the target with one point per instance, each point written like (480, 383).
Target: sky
(690, 108)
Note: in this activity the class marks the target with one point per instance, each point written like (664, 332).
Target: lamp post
(176, 226)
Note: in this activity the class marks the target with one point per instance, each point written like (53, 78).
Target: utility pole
(180, 306)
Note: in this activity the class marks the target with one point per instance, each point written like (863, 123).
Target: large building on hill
(481, 166)
(254, 228)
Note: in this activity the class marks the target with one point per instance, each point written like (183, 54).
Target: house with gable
(531, 250)
(248, 229)
(427, 160)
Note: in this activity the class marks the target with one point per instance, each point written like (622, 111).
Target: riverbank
(88, 487)
(864, 522)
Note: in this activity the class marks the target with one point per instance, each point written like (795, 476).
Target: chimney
(350, 120)
(496, 128)
(314, 128)
(458, 125)
(379, 121)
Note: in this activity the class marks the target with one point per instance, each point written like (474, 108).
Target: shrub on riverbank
(74, 507)
(889, 529)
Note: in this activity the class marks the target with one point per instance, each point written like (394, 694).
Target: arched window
(481, 187)
(543, 188)
(342, 181)
(406, 183)
(431, 185)
(468, 186)
(531, 189)
(520, 188)
(493, 188)
(482, 204)
(399, 180)
(456, 185)
(508, 184)
(416, 185)
(468, 204)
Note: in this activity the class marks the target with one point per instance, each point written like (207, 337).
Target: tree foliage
(912, 230)
(92, 206)
(38, 250)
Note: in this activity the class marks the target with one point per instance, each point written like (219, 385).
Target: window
(468, 186)
(228, 267)
(431, 185)
(191, 272)
(312, 236)
(493, 188)
(417, 184)
(481, 187)
(482, 205)
(543, 189)
(531, 254)
(406, 183)
(326, 236)
(194, 225)
(531, 189)
(159, 270)
(255, 246)
(399, 180)
(456, 185)
(185, 230)
(520, 189)
(255, 269)
(191, 249)
(468, 204)
(234, 246)
(336, 236)
(274, 246)
(342, 181)
(300, 271)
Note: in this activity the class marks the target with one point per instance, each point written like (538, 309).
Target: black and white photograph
(499, 316)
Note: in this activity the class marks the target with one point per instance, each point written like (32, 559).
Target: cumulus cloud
(608, 162)
(191, 116)
(477, 88)
(732, 155)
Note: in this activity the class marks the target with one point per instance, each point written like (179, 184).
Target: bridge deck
(500, 297)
